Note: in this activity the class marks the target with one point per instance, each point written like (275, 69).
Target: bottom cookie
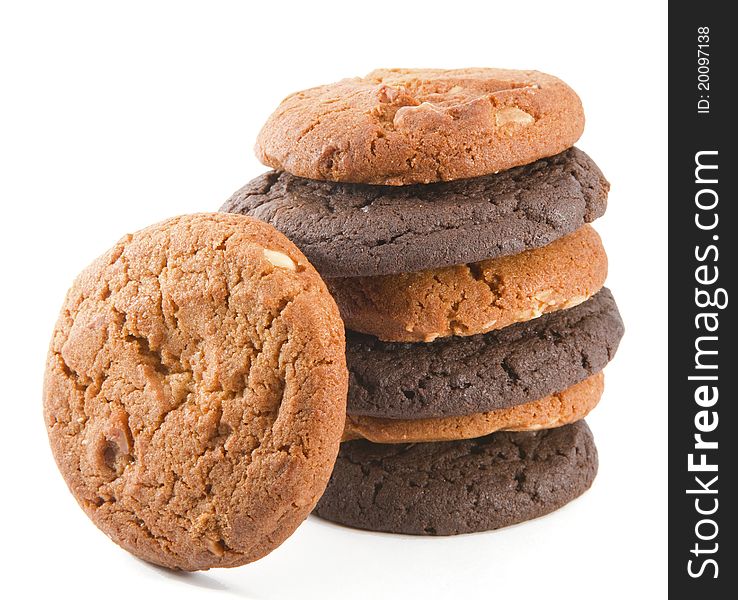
(447, 488)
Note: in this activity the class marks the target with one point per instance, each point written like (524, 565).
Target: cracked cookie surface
(557, 409)
(474, 298)
(446, 488)
(405, 126)
(195, 390)
(496, 370)
(352, 230)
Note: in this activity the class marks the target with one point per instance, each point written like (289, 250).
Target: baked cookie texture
(474, 298)
(353, 230)
(446, 488)
(555, 410)
(195, 390)
(465, 375)
(406, 126)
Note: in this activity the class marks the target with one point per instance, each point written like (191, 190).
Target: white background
(117, 115)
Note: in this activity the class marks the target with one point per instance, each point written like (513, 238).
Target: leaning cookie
(446, 488)
(555, 410)
(475, 298)
(353, 230)
(405, 126)
(195, 390)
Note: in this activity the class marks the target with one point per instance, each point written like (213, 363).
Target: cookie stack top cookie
(405, 126)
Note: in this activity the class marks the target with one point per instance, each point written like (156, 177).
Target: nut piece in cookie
(279, 259)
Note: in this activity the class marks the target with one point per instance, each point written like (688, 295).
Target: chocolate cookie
(349, 230)
(474, 298)
(560, 408)
(462, 376)
(445, 488)
(195, 390)
(404, 126)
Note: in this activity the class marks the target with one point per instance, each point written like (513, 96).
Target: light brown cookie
(403, 126)
(558, 409)
(195, 390)
(474, 298)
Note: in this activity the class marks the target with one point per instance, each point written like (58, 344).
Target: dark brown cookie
(446, 488)
(462, 376)
(195, 390)
(350, 230)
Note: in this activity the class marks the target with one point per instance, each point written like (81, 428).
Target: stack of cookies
(449, 212)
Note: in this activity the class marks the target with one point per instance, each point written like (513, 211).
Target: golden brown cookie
(474, 298)
(195, 390)
(558, 409)
(403, 126)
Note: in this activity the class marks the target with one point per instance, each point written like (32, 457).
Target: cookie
(477, 297)
(445, 488)
(195, 390)
(555, 410)
(465, 375)
(353, 230)
(405, 126)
